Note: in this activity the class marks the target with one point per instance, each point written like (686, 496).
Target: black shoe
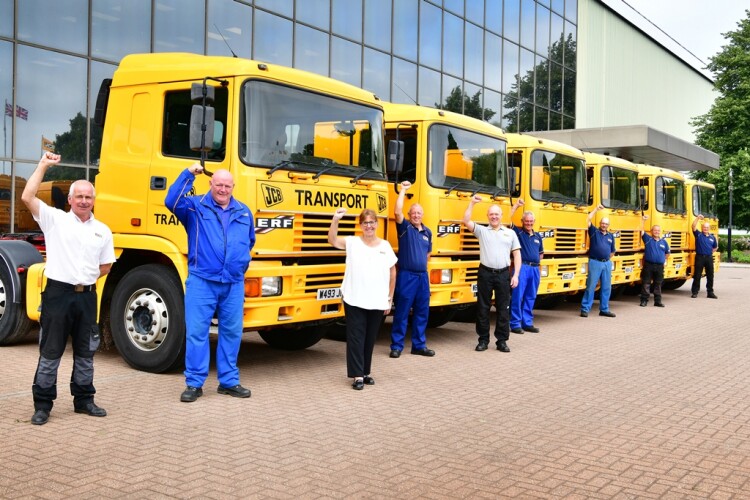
(531, 329)
(693, 295)
(369, 380)
(503, 347)
(40, 417)
(395, 353)
(92, 410)
(358, 384)
(658, 304)
(516, 330)
(644, 303)
(482, 346)
(423, 352)
(712, 295)
(608, 314)
(584, 314)
(190, 394)
(236, 392)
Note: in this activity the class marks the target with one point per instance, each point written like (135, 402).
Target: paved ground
(651, 404)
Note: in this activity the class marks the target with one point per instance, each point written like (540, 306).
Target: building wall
(625, 78)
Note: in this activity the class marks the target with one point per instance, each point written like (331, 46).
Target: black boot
(657, 302)
(644, 302)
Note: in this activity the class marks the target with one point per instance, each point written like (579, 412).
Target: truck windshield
(466, 161)
(704, 201)
(294, 129)
(670, 195)
(619, 188)
(557, 177)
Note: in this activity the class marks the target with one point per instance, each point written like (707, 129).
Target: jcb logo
(382, 205)
(271, 195)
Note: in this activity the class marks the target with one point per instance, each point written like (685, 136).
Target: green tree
(71, 145)
(724, 129)
(460, 102)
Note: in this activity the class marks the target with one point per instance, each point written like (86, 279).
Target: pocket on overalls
(94, 338)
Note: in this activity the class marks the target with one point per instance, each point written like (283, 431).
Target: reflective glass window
(405, 15)
(283, 7)
(455, 6)
(511, 20)
(543, 2)
(120, 27)
(492, 60)
(571, 10)
(525, 116)
(473, 53)
(229, 26)
(53, 112)
(493, 107)
(178, 26)
(175, 140)
(347, 18)
(429, 88)
(555, 176)
(68, 18)
(526, 87)
(568, 122)
(559, 6)
(311, 50)
(473, 101)
(542, 81)
(453, 94)
(555, 121)
(569, 55)
(493, 16)
(528, 8)
(510, 68)
(430, 27)
(569, 92)
(99, 71)
(453, 56)
(6, 91)
(6, 18)
(475, 11)
(404, 82)
(555, 87)
(542, 30)
(541, 120)
(376, 73)
(346, 61)
(510, 113)
(315, 12)
(556, 39)
(271, 39)
(377, 24)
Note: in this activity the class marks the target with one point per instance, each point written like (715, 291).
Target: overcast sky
(695, 24)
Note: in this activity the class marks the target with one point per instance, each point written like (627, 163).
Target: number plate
(629, 269)
(329, 293)
(474, 289)
(568, 276)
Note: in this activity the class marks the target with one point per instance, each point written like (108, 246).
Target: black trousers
(703, 262)
(489, 282)
(652, 272)
(66, 313)
(362, 327)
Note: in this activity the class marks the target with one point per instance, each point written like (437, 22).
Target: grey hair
(80, 181)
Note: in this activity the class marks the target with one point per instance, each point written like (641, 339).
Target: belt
(655, 263)
(411, 271)
(492, 269)
(532, 264)
(599, 260)
(68, 286)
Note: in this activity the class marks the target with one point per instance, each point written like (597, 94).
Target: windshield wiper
(460, 183)
(330, 165)
(281, 164)
(364, 173)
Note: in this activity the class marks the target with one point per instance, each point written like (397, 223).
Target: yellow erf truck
(613, 183)
(551, 179)
(663, 201)
(700, 200)
(448, 158)
(298, 145)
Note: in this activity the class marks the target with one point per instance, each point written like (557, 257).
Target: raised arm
(333, 237)
(467, 214)
(592, 213)
(32, 184)
(644, 218)
(398, 211)
(695, 221)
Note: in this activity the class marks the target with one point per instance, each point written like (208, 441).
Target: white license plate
(474, 289)
(677, 266)
(329, 293)
(568, 276)
(629, 269)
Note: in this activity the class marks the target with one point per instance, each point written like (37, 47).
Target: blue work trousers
(598, 271)
(412, 294)
(523, 296)
(203, 298)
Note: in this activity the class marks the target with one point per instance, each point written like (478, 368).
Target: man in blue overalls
(221, 233)
(601, 250)
(656, 255)
(705, 246)
(524, 295)
(412, 281)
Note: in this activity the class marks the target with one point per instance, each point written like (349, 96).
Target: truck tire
(440, 316)
(290, 339)
(672, 284)
(147, 317)
(14, 324)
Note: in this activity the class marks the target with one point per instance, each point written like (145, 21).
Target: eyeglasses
(369, 223)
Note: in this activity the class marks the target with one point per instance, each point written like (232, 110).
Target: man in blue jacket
(221, 233)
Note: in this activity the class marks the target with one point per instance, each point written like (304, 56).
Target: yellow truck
(299, 146)
(448, 157)
(551, 178)
(700, 200)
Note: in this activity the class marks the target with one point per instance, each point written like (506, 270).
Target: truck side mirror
(395, 158)
(200, 90)
(202, 121)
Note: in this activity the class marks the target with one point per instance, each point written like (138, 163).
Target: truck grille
(568, 240)
(677, 240)
(629, 240)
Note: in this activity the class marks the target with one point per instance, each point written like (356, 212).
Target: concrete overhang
(638, 144)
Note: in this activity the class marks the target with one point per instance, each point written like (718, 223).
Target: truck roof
(654, 170)
(411, 113)
(529, 141)
(599, 159)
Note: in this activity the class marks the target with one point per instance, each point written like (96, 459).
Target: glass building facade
(509, 62)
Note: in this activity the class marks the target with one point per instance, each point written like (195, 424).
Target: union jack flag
(8, 109)
(22, 113)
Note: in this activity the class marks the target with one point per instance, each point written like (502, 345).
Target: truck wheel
(547, 302)
(147, 316)
(672, 284)
(14, 324)
(290, 339)
(440, 316)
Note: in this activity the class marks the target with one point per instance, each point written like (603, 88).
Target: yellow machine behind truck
(298, 145)
(447, 157)
(551, 179)
(700, 200)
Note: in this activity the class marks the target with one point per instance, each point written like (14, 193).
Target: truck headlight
(544, 271)
(271, 286)
(584, 267)
(441, 276)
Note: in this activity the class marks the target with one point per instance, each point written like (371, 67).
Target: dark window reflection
(99, 71)
(570, 46)
(540, 119)
(541, 92)
(120, 27)
(569, 92)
